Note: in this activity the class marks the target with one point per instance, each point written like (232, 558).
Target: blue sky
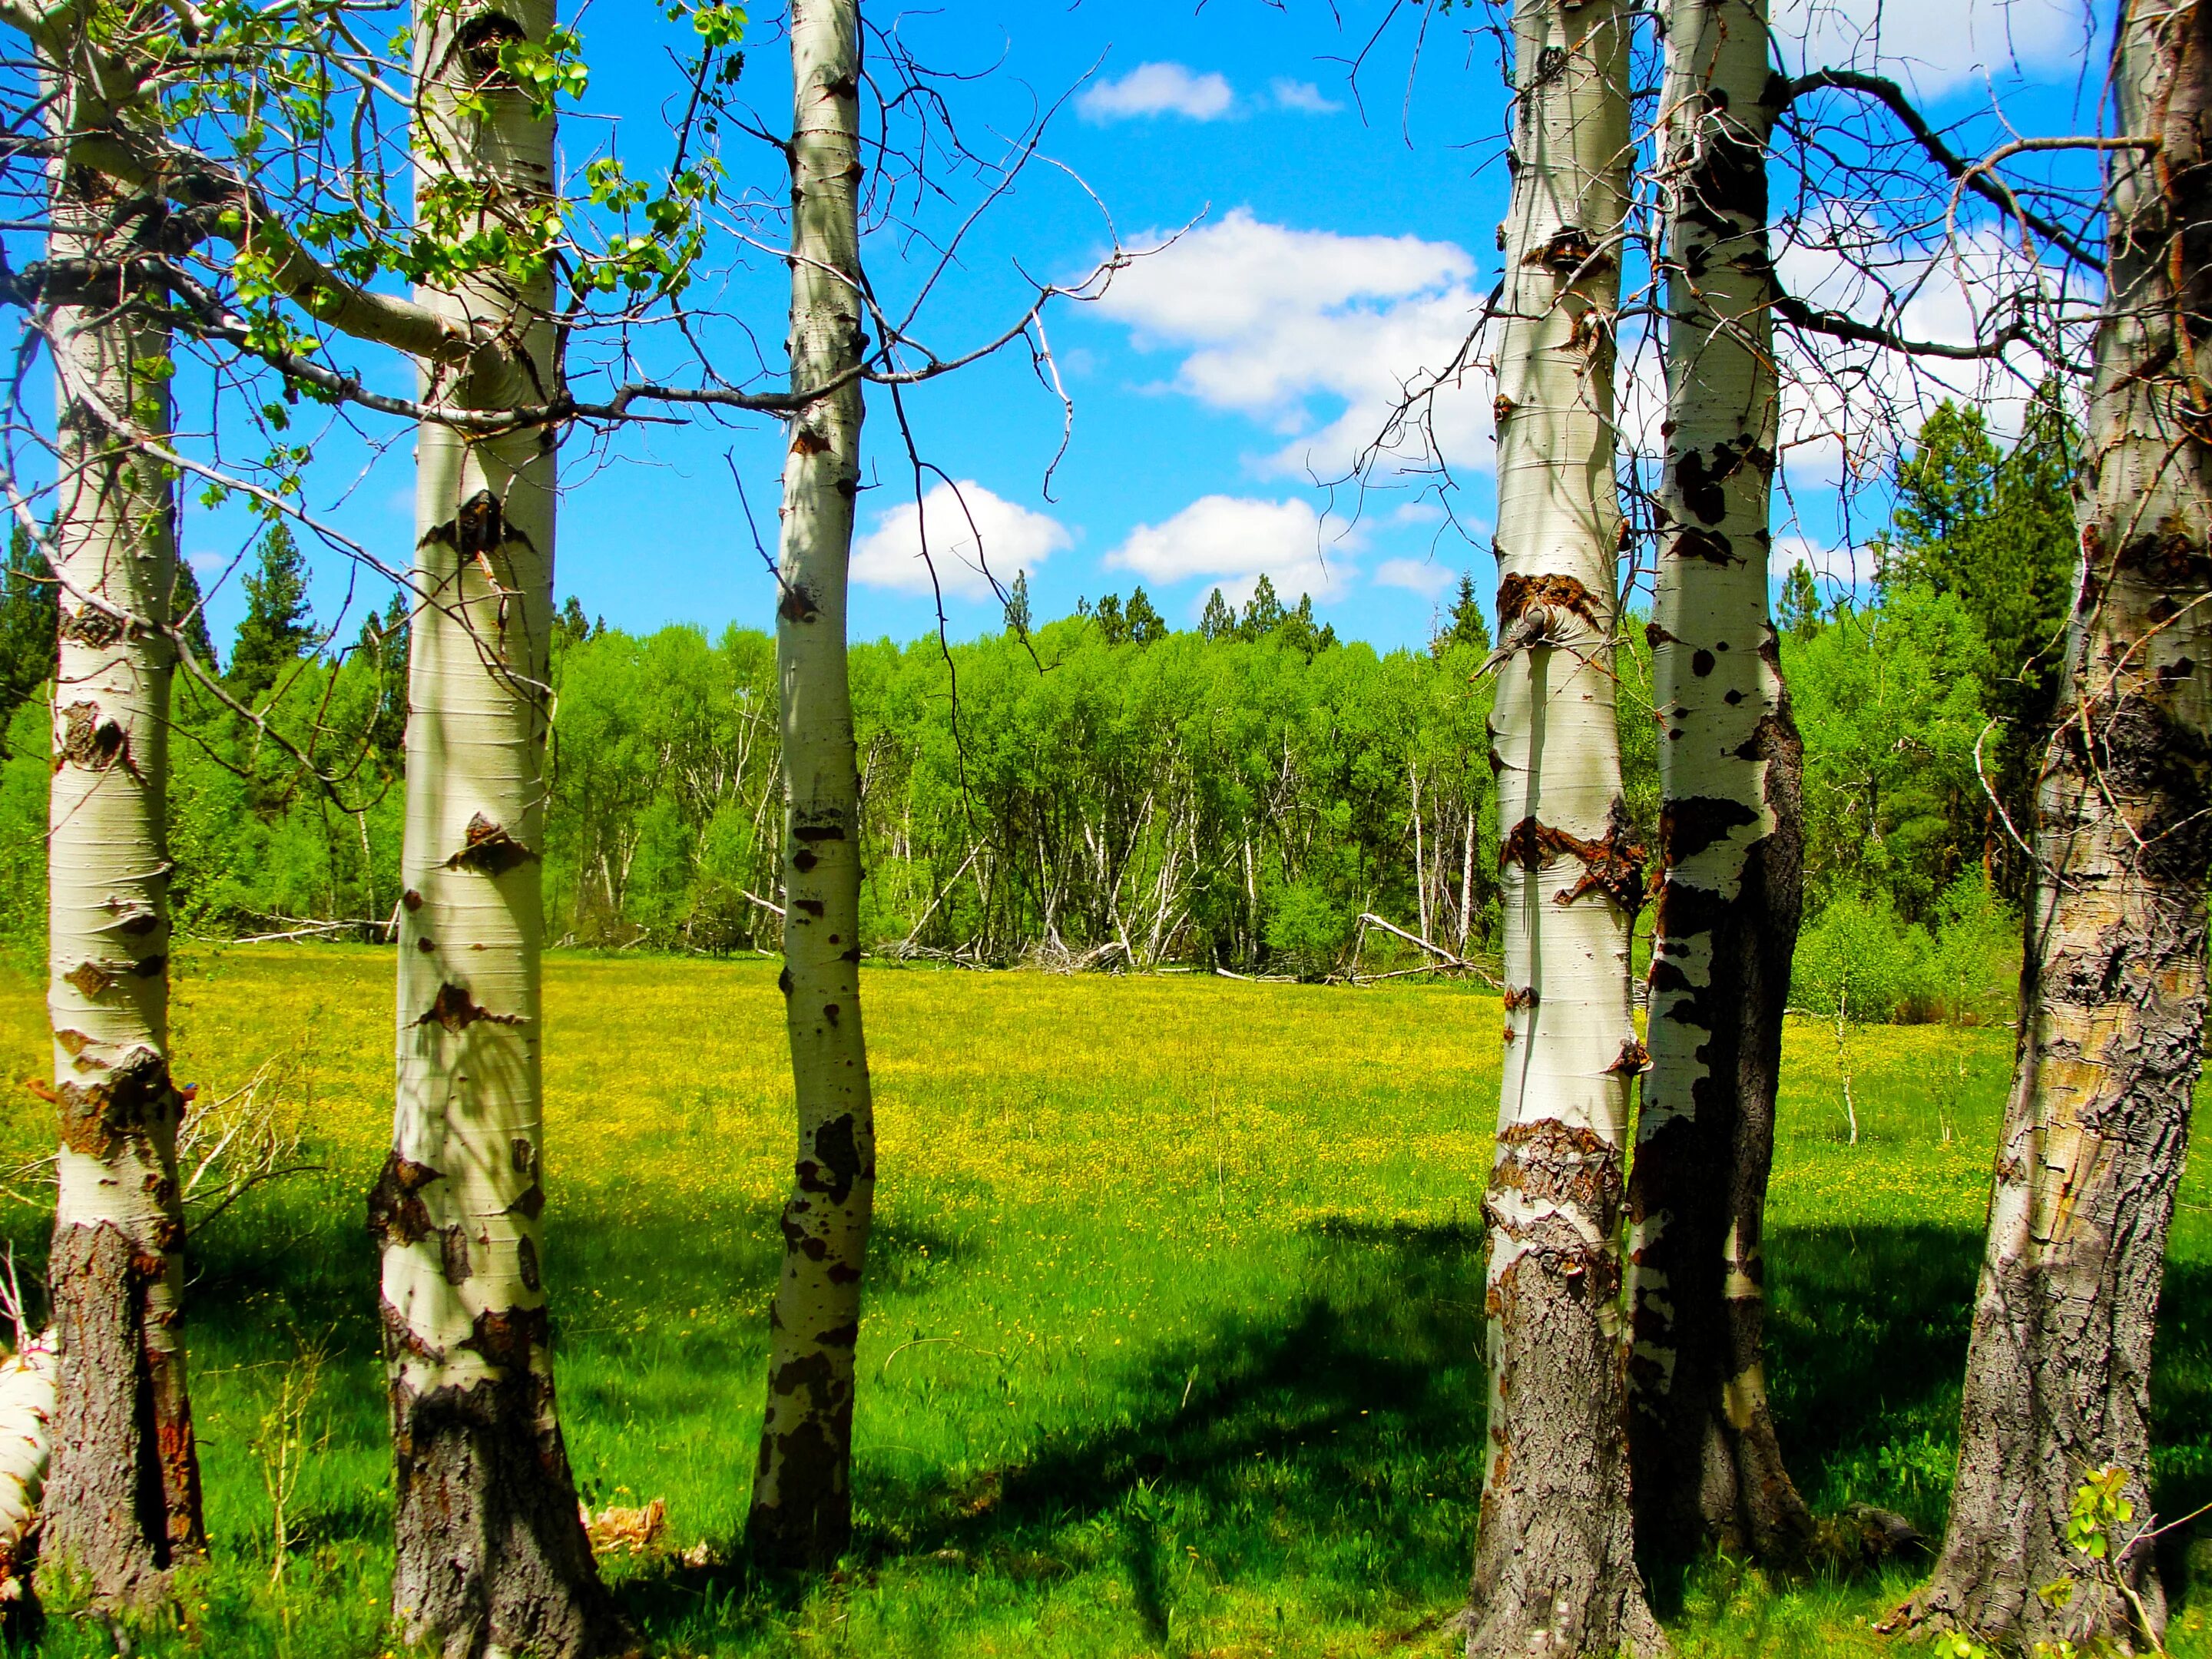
(1335, 238)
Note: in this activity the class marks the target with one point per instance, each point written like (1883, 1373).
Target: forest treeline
(1102, 790)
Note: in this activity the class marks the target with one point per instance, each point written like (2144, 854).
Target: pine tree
(29, 609)
(1799, 608)
(1217, 621)
(278, 627)
(1465, 625)
(1300, 630)
(188, 608)
(1264, 613)
(384, 642)
(1145, 625)
(1113, 626)
(571, 627)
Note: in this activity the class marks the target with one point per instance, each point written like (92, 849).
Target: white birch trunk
(491, 1551)
(29, 1399)
(1555, 1570)
(124, 1497)
(2112, 994)
(802, 1502)
(1707, 1466)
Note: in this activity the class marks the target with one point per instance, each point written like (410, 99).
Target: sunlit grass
(1174, 1329)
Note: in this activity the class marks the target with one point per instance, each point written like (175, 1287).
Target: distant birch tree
(1705, 1461)
(1555, 1567)
(801, 1514)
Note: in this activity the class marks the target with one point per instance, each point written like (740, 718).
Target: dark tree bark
(2113, 997)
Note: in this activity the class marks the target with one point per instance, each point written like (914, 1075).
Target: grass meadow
(1173, 1342)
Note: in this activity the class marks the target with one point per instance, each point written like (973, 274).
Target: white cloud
(968, 526)
(1158, 89)
(1303, 96)
(1272, 321)
(1422, 576)
(1933, 46)
(1236, 540)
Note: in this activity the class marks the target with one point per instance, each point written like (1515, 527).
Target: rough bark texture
(1706, 1466)
(491, 1551)
(123, 1497)
(802, 1500)
(2114, 996)
(1555, 1571)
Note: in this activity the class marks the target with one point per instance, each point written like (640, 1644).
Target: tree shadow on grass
(1336, 1440)
(1866, 1335)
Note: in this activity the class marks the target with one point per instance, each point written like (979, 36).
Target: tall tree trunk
(1555, 1570)
(1705, 1463)
(123, 1497)
(491, 1551)
(802, 1500)
(2112, 998)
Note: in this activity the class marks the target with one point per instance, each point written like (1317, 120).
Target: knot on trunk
(1612, 866)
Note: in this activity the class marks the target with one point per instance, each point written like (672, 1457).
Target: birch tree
(123, 1495)
(1555, 1569)
(1705, 1461)
(2112, 996)
(491, 1551)
(802, 1502)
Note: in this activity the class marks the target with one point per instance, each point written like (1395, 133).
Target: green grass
(1174, 1330)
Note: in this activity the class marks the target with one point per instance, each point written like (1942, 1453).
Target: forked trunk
(2113, 995)
(1705, 1463)
(491, 1551)
(802, 1500)
(1555, 1569)
(123, 1495)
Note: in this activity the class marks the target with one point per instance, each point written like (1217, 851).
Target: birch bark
(2112, 998)
(491, 1551)
(1555, 1571)
(1705, 1463)
(802, 1501)
(123, 1495)
(29, 1397)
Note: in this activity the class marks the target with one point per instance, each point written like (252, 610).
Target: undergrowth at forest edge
(1174, 1337)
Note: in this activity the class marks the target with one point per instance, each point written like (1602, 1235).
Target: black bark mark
(1614, 866)
(456, 1010)
(1516, 593)
(1698, 1475)
(397, 1214)
(490, 849)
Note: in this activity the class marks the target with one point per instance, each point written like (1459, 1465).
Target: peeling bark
(1706, 1465)
(1554, 1570)
(492, 1555)
(123, 1494)
(2113, 997)
(802, 1501)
